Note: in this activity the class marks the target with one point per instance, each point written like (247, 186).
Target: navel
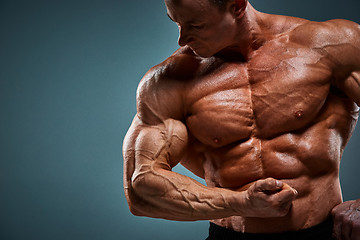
(216, 140)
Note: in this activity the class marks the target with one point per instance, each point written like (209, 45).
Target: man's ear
(238, 7)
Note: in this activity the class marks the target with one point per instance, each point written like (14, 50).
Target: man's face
(202, 26)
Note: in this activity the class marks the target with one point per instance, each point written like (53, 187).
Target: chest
(281, 89)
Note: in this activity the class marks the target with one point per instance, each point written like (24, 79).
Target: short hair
(220, 3)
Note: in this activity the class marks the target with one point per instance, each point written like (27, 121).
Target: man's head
(206, 26)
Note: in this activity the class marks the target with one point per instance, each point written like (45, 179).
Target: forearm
(169, 195)
(153, 190)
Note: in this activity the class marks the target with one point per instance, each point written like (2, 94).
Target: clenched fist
(269, 198)
(347, 220)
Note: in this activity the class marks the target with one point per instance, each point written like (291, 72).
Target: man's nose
(183, 37)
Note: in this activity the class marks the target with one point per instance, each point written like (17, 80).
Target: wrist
(239, 203)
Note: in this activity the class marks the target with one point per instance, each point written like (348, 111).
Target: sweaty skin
(265, 124)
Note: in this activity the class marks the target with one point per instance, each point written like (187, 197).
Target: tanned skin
(261, 106)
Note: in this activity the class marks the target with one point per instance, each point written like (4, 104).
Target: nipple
(299, 114)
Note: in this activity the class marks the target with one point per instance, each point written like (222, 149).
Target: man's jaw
(200, 50)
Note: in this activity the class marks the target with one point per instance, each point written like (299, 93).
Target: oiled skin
(285, 112)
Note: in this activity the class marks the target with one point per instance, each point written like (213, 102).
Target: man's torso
(275, 115)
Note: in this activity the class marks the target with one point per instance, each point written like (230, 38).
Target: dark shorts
(322, 231)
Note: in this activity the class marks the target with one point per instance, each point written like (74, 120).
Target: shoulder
(160, 92)
(338, 42)
(332, 33)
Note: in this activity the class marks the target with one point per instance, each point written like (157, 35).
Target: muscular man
(261, 107)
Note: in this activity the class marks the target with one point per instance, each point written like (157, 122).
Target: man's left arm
(344, 51)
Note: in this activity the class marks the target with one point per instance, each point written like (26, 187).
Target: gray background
(68, 76)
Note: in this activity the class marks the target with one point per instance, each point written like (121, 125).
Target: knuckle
(347, 221)
(337, 214)
(250, 191)
(252, 197)
(253, 187)
(333, 211)
(260, 183)
(341, 216)
(253, 193)
(337, 210)
(338, 218)
(270, 181)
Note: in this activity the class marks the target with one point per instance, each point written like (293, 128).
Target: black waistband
(322, 231)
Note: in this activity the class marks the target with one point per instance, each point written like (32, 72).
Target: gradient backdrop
(68, 76)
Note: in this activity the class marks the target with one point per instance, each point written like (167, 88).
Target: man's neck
(251, 35)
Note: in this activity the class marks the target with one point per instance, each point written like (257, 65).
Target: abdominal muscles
(308, 161)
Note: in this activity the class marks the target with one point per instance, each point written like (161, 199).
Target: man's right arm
(153, 190)
(154, 145)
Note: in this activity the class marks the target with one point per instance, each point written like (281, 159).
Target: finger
(346, 227)
(355, 234)
(282, 201)
(288, 187)
(339, 214)
(349, 221)
(337, 226)
(268, 184)
(285, 196)
(287, 193)
(342, 207)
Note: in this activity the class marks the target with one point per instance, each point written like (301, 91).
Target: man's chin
(202, 53)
